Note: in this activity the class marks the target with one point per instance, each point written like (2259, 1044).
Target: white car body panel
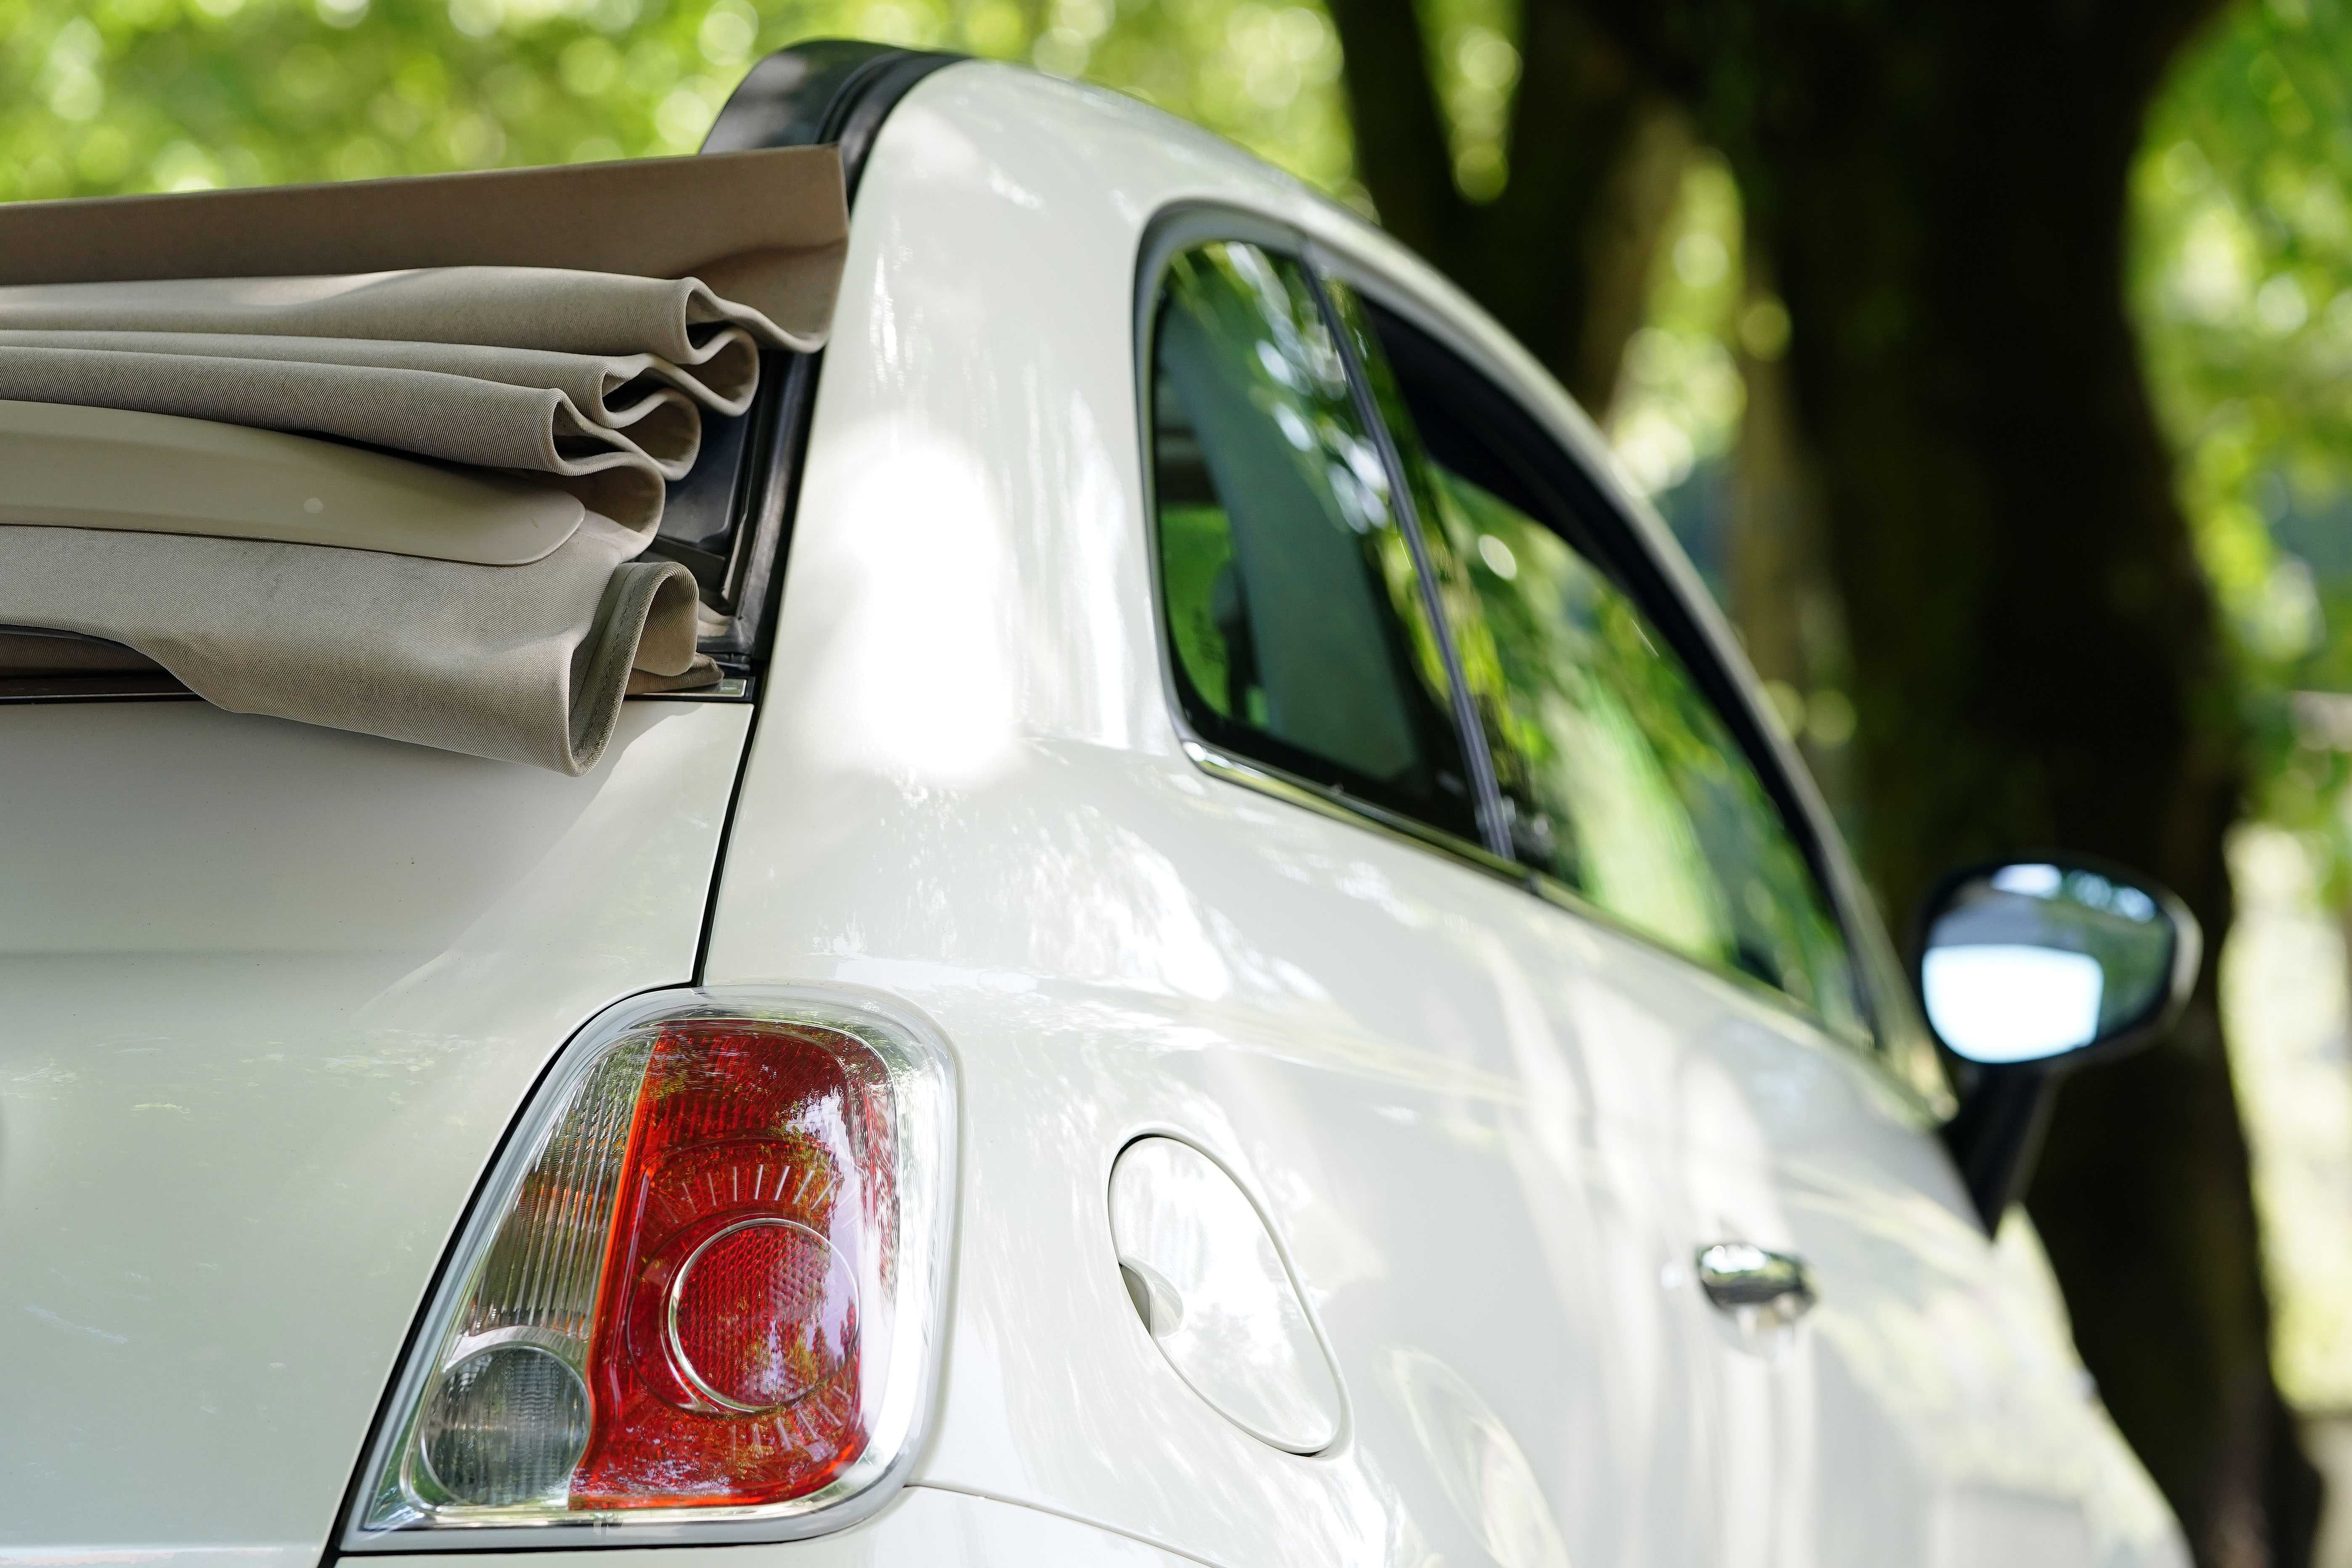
(925, 1526)
(274, 994)
(1493, 1133)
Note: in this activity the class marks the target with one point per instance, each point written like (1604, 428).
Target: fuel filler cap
(1216, 1297)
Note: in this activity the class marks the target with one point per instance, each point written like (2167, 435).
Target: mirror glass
(2034, 960)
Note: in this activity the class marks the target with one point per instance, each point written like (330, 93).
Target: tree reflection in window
(1300, 635)
(1624, 783)
(1620, 780)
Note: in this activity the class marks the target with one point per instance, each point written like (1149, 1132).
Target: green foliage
(105, 96)
(2242, 282)
(1196, 551)
(1474, 64)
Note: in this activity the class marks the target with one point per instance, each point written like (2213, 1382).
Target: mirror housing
(2028, 969)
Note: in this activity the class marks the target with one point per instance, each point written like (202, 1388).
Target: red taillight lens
(726, 1364)
(762, 1314)
(710, 1281)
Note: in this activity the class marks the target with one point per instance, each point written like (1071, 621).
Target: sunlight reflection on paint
(1484, 1470)
(920, 675)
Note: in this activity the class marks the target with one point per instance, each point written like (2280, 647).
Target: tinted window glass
(1622, 780)
(1300, 636)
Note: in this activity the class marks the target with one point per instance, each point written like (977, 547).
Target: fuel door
(1214, 1292)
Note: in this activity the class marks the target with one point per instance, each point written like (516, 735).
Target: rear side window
(1624, 783)
(1300, 635)
(1621, 781)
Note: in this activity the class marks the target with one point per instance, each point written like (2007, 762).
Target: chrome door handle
(1752, 1285)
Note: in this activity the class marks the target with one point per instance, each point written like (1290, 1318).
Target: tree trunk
(2035, 652)
(1562, 258)
(1780, 595)
(1775, 554)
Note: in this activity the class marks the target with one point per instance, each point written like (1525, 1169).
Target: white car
(1237, 978)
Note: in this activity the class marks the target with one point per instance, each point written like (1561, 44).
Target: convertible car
(1211, 957)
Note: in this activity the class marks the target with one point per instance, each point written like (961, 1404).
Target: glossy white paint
(923, 1526)
(272, 996)
(1491, 1133)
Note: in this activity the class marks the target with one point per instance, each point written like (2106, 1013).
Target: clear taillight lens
(703, 1283)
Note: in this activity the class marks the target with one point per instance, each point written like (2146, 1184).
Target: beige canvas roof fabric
(73, 466)
(460, 369)
(527, 664)
(567, 327)
(457, 419)
(589, 380)
(765, 229)
(560, 309)
(651, 401)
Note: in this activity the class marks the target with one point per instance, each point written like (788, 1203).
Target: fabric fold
(596, 379)
(457, 419)
(593, 384)
(75, 466)
(505, 306)
(525, 663)
(766, 228)
(603, 385)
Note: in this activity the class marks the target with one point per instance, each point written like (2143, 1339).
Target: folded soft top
(471, 583)
(765, 229)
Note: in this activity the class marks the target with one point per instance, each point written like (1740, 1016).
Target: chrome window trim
(1343, 808)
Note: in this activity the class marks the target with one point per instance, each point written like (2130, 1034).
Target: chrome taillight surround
(559, 1179)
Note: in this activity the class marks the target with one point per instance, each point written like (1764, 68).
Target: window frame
(1175, 230)
(1619, 546)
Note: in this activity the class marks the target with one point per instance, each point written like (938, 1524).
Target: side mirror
(2030, 968)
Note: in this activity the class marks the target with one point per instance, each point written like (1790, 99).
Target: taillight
(703, 1283)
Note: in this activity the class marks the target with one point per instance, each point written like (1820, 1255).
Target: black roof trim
(828, 90)
(835, 91)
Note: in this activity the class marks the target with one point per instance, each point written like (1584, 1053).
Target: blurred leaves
(163, 95)
(1475, 63)
(2242, 281)
(1679, 394)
